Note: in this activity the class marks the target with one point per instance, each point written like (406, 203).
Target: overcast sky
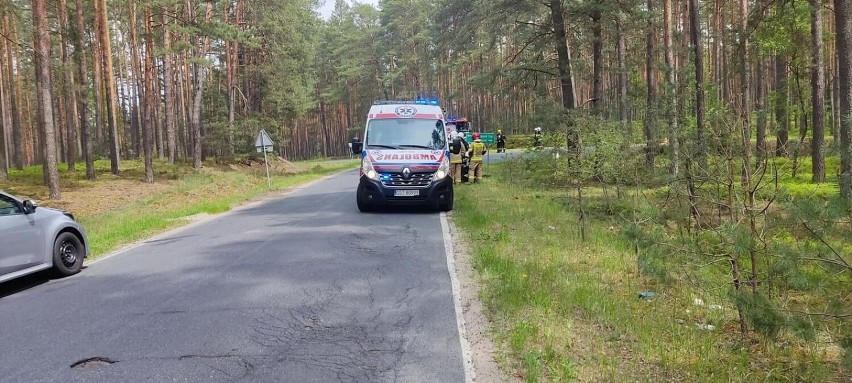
(326, 9)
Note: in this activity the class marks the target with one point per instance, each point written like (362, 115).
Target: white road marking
(469, 371)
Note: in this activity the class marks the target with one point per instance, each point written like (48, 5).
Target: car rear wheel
(68, 254)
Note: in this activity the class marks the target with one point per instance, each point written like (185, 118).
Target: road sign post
(265, 144)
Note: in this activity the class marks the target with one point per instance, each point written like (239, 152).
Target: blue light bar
(419, 100)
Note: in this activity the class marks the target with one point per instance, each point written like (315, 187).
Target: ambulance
(405, 156)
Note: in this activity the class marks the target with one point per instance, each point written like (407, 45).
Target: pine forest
(716, 135)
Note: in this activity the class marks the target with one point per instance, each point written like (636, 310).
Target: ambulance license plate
(406, 193)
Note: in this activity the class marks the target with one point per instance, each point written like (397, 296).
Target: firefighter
(501, 141)
(458, 150)
(477, 150)
(537, 137)
(356, 145)
(465, 169)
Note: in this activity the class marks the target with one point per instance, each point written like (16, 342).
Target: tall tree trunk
(817, 94)
(835, 98)
(745, 113)
(842, 13)
(745, 92)
(83, 91)
(137, 94)
(109, 84)
(200, 49)
(17, 127)
(782, 121)
(150, 97)
(671, 90)
(695, 40)
(623, 98)
(761, 115)
(717, 48)
(324, 131)
(69, 87)
(185, 83)
(169, 88)
(98, 84)
(32, 153)
(127, 104)
(157, 110)
(564, 60)
(231, 72)
(651, 98)
(597, 61)
(41, 46)
(231, 69)
(696, 150)
(59, 107)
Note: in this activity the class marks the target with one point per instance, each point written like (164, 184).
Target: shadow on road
(23, 283)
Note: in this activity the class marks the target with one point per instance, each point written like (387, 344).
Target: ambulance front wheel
(447, 206)
(363, 206)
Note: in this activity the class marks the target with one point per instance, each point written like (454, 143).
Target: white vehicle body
(405, 157)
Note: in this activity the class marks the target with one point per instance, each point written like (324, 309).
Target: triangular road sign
(263, 142)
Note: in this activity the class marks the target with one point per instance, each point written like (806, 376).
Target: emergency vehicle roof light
(419, 100)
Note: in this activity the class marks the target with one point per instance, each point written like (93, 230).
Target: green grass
(182, 193)
(566, 310)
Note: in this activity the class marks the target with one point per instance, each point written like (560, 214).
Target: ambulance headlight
(443, 170)
(368, 170)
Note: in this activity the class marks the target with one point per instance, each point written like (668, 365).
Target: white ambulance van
(405, 157)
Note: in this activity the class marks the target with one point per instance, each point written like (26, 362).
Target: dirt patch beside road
(277, 165)
(106, 196)
(477, 326)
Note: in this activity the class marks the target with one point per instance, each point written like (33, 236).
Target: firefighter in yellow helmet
(477, 150)
(458, 150)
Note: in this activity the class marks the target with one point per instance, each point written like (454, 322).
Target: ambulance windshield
(405, 133)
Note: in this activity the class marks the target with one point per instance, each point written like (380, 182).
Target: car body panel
(21, 242)
(27, 238)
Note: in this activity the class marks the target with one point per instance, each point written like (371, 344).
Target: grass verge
(567, 310)
(117, 210)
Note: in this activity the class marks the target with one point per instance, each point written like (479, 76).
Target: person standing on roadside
(458, 150)
(477, 150)
(537, 137)
(501, 141)
(356, 145)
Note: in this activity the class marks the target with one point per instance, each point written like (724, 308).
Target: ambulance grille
(415, 180)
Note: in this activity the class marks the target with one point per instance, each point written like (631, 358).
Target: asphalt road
(302, 288)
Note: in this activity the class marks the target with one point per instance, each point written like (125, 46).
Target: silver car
(34, 239)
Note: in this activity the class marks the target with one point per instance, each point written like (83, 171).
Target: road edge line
(467, 356)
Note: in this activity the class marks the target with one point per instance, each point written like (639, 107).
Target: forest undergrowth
(597, 267)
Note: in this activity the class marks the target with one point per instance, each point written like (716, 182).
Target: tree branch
(821, 239)
(534, 70)
(829, 315)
